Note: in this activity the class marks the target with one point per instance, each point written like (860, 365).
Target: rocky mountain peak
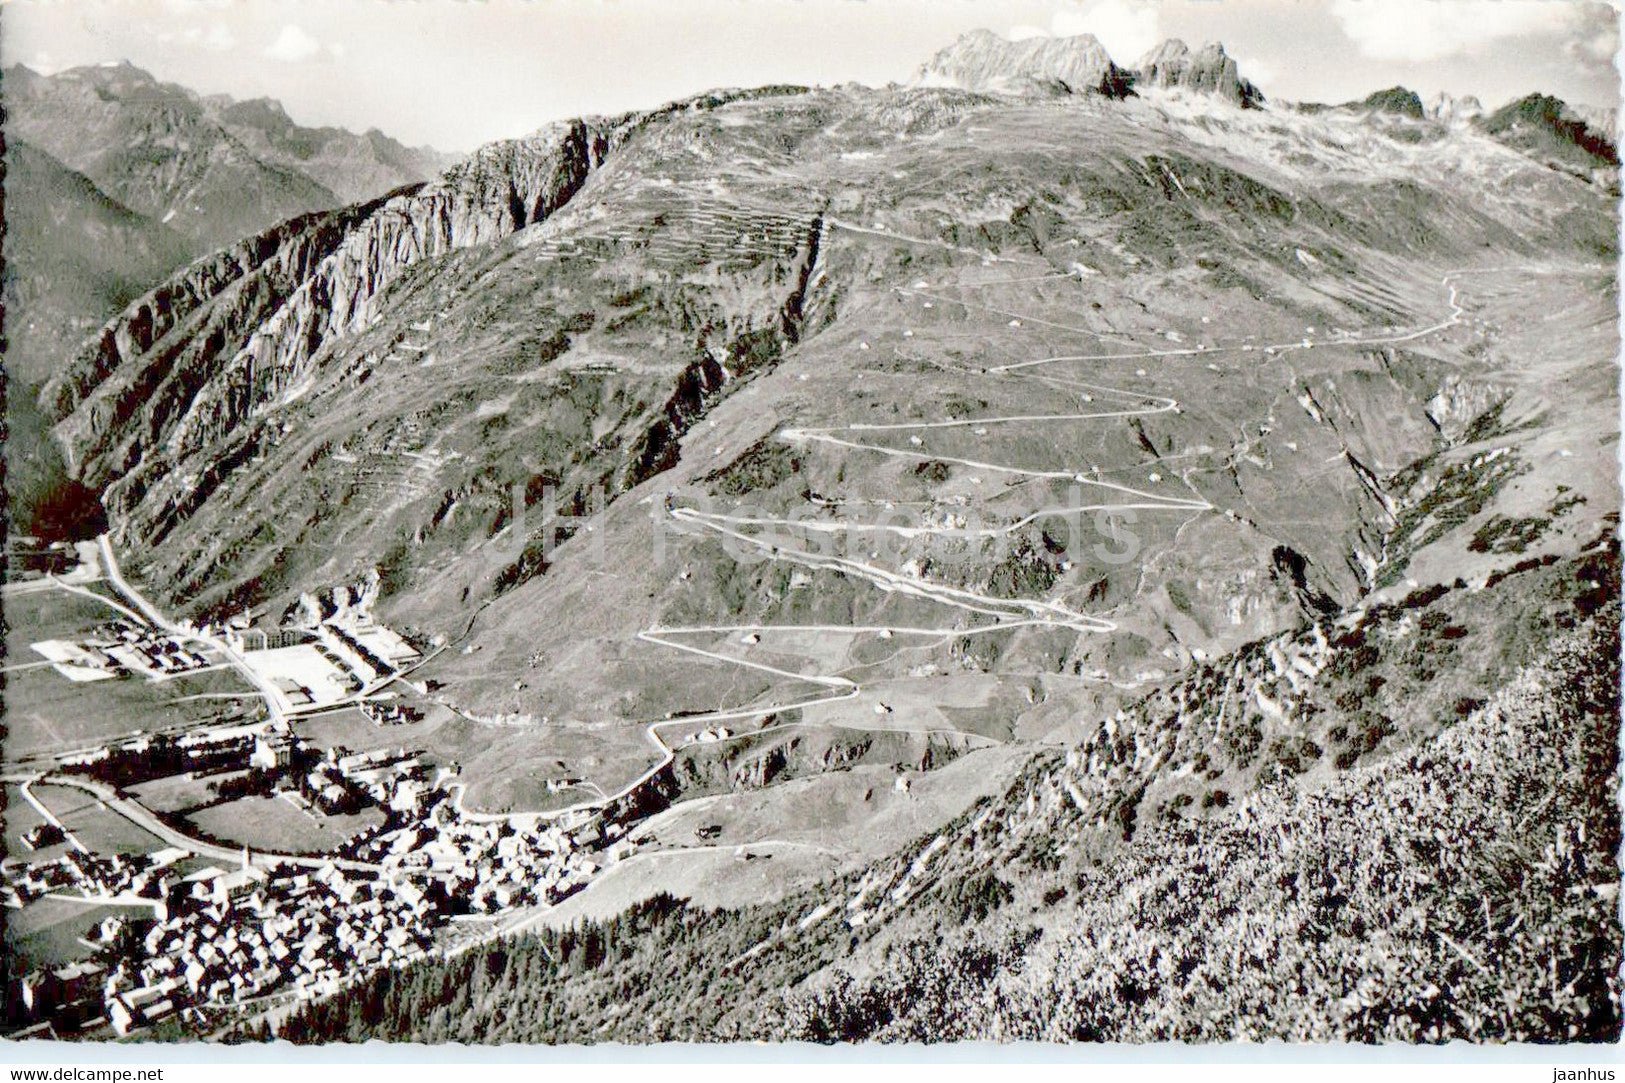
(1551, 130)
(111, 73)
(982, 60)
(1601, 121)
(1208, 70)
(265, 114)
(1398, 100)
(1453, 108)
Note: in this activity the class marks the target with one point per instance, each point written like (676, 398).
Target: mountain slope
(584, 323)
(1544, 128)
(1451, 889)
(73, 255)
(828, 461)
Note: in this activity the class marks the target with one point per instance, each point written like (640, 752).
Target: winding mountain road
(994, 613)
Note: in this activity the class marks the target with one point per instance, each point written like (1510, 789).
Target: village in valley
(207, 870)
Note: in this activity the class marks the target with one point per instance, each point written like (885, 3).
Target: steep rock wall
(237, 331)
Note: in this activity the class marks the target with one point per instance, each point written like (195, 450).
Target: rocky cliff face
(293, 291)
(1601, 121)
(158, 340)
(780, 298)
(1208, 70)
(501, 189)
(1548, 130)
(982, 60)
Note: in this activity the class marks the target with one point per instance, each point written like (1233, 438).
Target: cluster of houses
(391, 777)
(221, 938)
(86, 875)
(229, 937)
(224, 938)
(490, 865)
(122, 647)
(342, 782)
(325, 788)
(499, 870)
(69, 995)
(390, 714)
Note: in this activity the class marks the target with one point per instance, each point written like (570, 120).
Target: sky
(458, 73)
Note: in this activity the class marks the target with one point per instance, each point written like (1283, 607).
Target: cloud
(216, 38)
(1127, 28)
(1261, 73)
(1595, 42)
(1420, 30)
(293, 46)
(1023, 32)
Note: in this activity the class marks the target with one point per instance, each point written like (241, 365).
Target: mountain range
(114, 180)
(211, 168)
(985, 61)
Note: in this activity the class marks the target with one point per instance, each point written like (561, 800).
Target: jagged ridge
(1208, 70)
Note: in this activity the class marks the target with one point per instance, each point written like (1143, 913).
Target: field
(276, 825)
(856, 812)
(609, 756)
(101, 829)
(351, 729)
(45, 712)
(47, 931)
(48, 614)
(970, 703)
(709, 876)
